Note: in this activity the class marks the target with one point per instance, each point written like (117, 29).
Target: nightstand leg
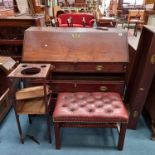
(49, 128)
(19, 129)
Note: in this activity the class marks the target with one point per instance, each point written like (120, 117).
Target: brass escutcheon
(75, 36)
(152, 60)
(141, 89)
(135, 113)
(99, 67)
(103, 88)
(45, 45)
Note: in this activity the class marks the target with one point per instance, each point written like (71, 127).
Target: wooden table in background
(106, 21)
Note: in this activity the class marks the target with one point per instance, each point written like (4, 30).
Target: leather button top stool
(94, 110)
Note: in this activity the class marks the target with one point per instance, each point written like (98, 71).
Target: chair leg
(57, 135)
(30, 119)
(19, 129)
(49, 128)
(121, 136)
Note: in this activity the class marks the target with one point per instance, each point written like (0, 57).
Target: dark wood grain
(83, 59)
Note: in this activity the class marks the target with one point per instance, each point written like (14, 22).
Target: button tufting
(90, 99)
(91, 110)
(71, 99)
(108, 110)
(107, 100)
(64, 105)
(114, 98)
(72, 109)
(98, 97)
(96, 107)
(80, 96)
(82, 103)
(116, 106)
(99, 104)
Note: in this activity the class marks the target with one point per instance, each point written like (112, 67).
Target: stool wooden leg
(122, 136)
(49, 128)
(19, 129)
(57, 135)
(30, 119)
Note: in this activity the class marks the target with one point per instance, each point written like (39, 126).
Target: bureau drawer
(63, 67)
(90, 67)
(100, 67)
(88, 86)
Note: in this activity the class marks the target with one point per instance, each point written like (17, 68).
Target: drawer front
(63, 86)
(63, 67)
(90, 67)
(101, 87)
(101, 67)
(96, 86)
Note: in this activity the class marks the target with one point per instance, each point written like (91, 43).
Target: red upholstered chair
(78, 20)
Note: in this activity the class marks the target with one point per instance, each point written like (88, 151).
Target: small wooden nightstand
(32, 100)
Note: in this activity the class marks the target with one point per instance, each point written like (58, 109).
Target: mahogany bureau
(83, 60)
(90, 60)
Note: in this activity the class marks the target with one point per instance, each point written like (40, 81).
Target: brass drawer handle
(135, 114)
(152, 60)
(99, 67)
(103, 88)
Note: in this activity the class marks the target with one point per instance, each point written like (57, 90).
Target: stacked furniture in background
(12, 33)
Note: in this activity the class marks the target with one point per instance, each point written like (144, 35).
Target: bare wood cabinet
(141, 74)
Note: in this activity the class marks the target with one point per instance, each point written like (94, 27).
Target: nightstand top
(29, 70)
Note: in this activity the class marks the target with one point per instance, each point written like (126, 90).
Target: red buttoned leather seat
(95, 109)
